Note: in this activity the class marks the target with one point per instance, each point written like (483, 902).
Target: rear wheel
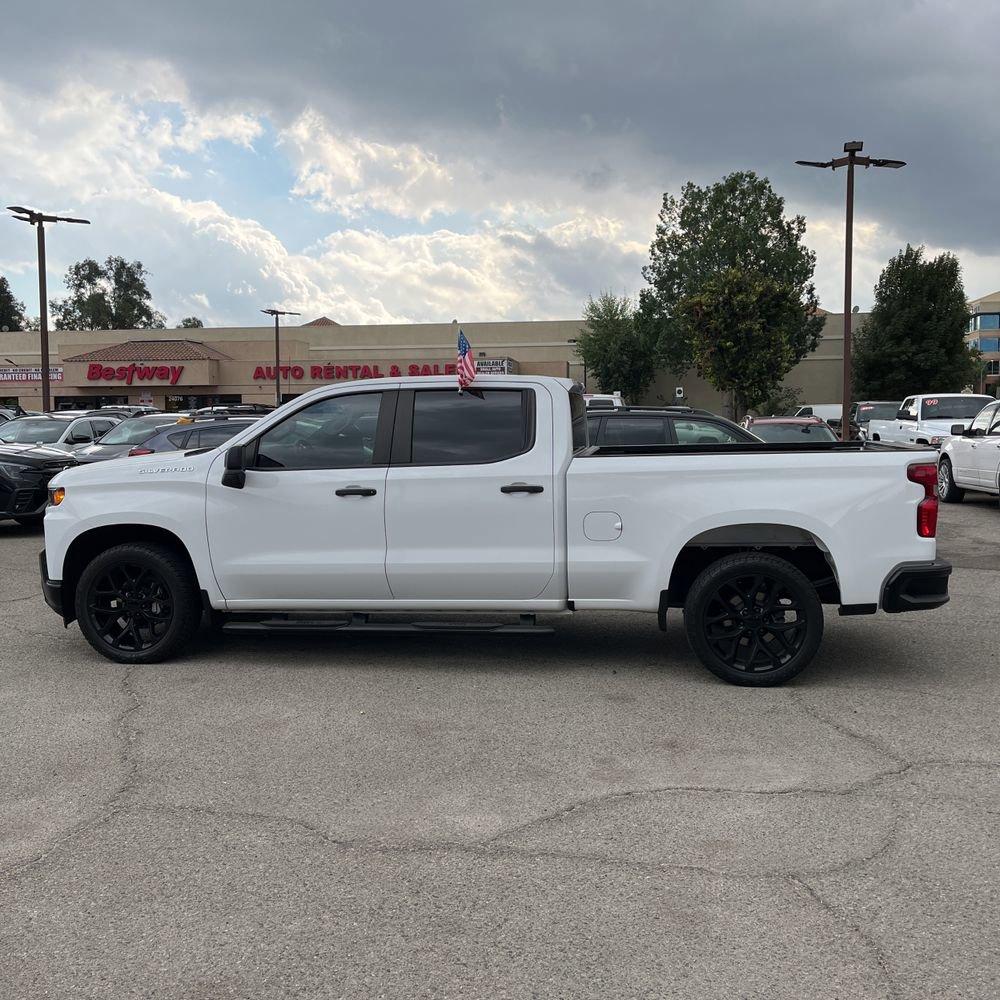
(138, 603)
(947, 490)
(753, 619)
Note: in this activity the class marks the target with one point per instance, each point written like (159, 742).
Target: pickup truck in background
(927, 419)
(403, 495)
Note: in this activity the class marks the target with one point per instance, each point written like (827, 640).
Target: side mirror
(235, 476)
(901, 415)
(957, 430)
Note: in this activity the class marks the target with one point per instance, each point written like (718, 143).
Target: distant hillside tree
(106, 296)
(191, 323)
(619, 352)
(914, 339)
(12, 315)
(736, 224)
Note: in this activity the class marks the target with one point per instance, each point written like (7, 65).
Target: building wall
(542, 347)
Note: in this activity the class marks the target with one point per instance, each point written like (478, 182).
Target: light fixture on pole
(39, 219)
(851, 160)
(277, 352)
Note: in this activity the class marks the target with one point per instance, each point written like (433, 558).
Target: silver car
(65, 433)
(121, 439)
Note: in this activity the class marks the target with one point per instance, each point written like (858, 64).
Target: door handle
(355, 491)
(522, 488)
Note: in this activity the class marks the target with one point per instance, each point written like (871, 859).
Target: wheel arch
(800, 546)
(90, 543)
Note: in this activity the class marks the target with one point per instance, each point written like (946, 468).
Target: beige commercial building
(181, 369)
(984, 334)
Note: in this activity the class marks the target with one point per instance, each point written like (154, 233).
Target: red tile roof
(153, 350)
(322, 321)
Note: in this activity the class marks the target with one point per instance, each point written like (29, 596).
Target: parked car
(25, 472)
(56, 430)
(131, 409)
(825, 411)
(790, 430)
(603, 400)
(185, 435)
(123, 437)
(928, 418)
(663, 425)
(862, 413)
(970, 457)
(344, 503)
(235, 409)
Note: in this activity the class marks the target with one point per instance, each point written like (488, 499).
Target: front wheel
(947, 490)
(753, 619)
(138, 603)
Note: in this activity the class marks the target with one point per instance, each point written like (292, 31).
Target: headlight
(11, 471)
(57, 496)
(936, 441)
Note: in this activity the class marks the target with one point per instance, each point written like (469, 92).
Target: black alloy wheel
(138, 602)
(754, 619)
(131, 607)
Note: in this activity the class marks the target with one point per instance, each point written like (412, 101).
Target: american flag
(466, 363)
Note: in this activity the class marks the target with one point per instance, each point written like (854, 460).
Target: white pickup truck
(928, 419)
(402, 495)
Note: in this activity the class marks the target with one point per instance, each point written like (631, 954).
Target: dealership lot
(584, 814)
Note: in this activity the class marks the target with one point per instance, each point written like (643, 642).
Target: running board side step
(361, 623)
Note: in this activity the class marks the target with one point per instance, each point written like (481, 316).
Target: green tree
(914, 339)
(737, 223)
(741, 328)
(109, 296)
(12, 315)
(617, 349)
(191, 323)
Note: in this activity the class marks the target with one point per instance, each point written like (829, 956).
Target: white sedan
(970, 458)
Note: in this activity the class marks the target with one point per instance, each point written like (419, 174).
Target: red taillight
(140, 451)
(927, 509)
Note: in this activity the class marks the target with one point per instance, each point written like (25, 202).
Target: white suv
(970, 458)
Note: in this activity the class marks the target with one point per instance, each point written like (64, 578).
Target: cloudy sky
(399, 161)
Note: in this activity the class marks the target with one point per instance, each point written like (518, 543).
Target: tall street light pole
(851, 160)
(39, 219)
(277, 352)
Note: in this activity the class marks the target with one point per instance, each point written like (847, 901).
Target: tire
(753, 619)
(30, 520)
(946, 488)
(148, 587)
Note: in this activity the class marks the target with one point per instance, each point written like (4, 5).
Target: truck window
(451, 428)
(635, 430)
(584, 432)
(953, 407)
(908, 411)
(704, 432)
(335, 433)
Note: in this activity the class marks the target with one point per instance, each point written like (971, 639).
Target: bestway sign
(137, 373)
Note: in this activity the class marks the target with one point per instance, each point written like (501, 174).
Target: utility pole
(851, 160)
(39, 219)
(277, 350)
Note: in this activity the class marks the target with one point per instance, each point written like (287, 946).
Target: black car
(663, 425)
(193, 434)
(24, 480)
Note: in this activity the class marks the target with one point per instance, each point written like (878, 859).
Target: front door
(988, 451)
(309, 523)
(470, 496)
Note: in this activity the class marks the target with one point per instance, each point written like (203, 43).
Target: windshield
(33, 430)
(133, 431)
(952, 407)
(794, 433)
(876, 411)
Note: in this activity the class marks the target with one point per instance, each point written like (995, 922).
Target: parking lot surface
(584, 814)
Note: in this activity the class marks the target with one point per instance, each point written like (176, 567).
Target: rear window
(794, 433)
(876, 411)
(705, 432)
(134, 431)
(451, 428)
(635, 430)
(952, 407)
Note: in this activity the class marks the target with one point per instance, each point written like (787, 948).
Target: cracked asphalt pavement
(589, 814)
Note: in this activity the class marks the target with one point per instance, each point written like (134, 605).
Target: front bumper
(24, 501)
(916, 586)
(51, 589)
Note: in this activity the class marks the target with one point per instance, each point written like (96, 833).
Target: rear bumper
(51, 589)
(918, 586)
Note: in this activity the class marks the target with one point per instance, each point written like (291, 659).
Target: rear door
(470, 497)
